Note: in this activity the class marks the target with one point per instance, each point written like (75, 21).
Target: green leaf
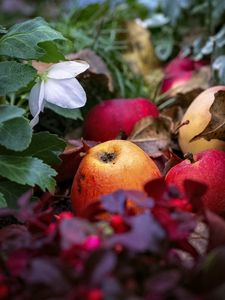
(11, 191)
(2, 29)
(22, 39)
(73, 114)
(14, 76)
(15, 134)
(27, 170)
(8, 112)
(45, 146)
(53, 55)
(2, 201)
(219, 66)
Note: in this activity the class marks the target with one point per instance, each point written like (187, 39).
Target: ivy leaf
(22, 39)
(73, 114)
(2, 201)
(14, 76)
(45, 146)
(11, 191)
(15, 134)
(27, 170)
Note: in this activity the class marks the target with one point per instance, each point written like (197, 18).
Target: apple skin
(182, 64)
(107, 120)
(199, 116)
(107, 167)
(175, 80)
(178, 71)
(209, 168)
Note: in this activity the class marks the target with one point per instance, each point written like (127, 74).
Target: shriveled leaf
(14, 76)
(71, 158)
(98, 70)
(153, 135)
(216, 127)
(22, 40)
(171, 159)
(15, 134)
(27, 170)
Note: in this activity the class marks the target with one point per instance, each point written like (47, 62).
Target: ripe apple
(179, 71)
(175, 80)
(107, 120)
(199, 116)
(182, 64)
(207, 167)
(107, 167)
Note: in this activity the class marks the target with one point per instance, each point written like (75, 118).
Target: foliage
(53, 255)
(98, 27)
(25, 157)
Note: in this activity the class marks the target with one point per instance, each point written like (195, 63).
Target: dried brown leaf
(98, 69)
(153, 135)
(216, 127)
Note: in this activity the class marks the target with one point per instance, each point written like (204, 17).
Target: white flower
(59, 86)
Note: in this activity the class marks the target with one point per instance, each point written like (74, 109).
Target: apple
(178, 72)
(107, 167)
(182, 64)
(199, 116)
(175, 80)
(207, 167)
(107, 120)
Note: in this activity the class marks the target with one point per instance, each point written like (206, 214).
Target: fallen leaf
(216, 127)
(182, 96)
(199, 81)
(71, 158)
(153, 135)
(98, 70)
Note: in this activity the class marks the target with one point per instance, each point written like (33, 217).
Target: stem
(12, 98)
(189, 156)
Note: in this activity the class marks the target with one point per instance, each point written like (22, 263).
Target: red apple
(207, 167)
(182, 64)
(178, 71)
(175, 80)
(108, 119)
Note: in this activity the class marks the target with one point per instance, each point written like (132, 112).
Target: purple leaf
(145, 234)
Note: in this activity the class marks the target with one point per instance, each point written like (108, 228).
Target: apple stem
(189, 156)
(181, 125)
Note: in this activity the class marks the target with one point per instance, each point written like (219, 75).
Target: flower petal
(67, 93)
(67, 69)
(36, 101)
